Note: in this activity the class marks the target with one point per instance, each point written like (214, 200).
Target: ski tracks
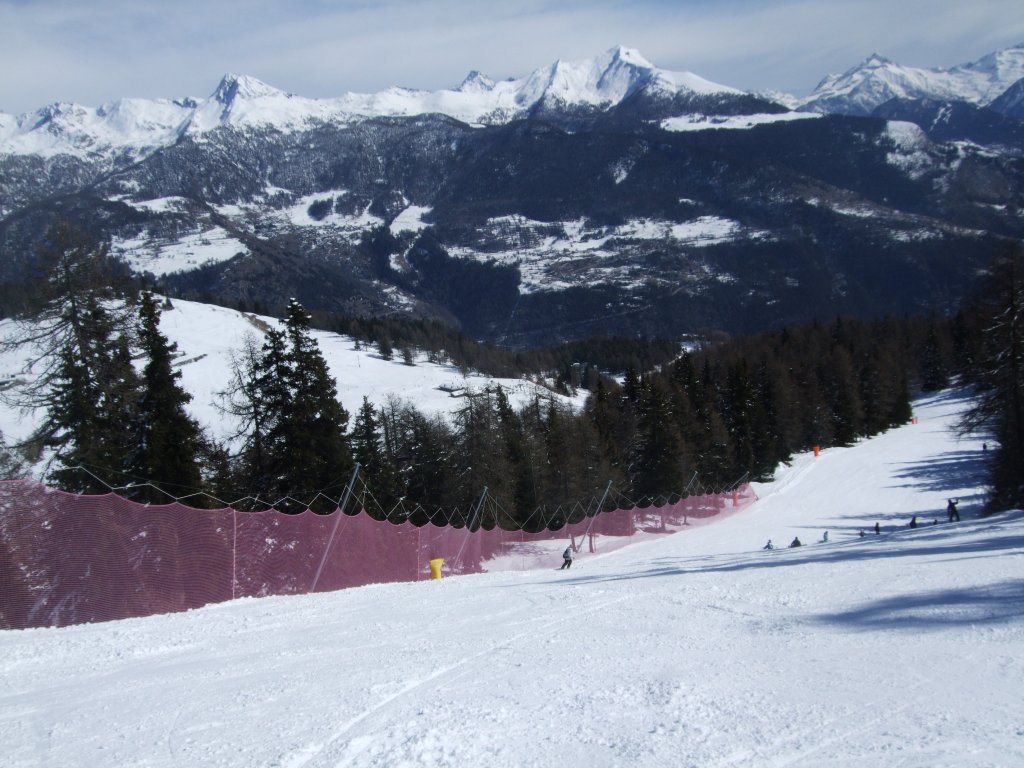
(329, 751)
(805, 746)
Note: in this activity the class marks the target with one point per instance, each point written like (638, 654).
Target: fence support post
(600, 508)
(476, 512)
(339, 513)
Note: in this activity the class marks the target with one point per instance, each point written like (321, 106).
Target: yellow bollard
(435, 567)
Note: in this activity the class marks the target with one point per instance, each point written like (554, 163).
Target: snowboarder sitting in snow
(913, 522)
(795, 542)
(567, 558)
(824, 538)
(951, 510)
(769, 545)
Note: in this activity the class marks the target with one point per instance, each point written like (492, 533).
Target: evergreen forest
(663, 419)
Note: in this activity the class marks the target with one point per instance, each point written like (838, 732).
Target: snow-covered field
(700, 649)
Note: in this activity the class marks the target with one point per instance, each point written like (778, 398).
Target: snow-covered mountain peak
(877, 79)
(242, 101)
(476, 82)
(126, 125)
(232, 87)
(1006, 63)
(609, 78)
(874, 61)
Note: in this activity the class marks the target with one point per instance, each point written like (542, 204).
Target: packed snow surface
(904, 648)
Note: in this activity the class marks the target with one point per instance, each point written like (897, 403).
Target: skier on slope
(951, 510)
(567, 558)
(769, 545)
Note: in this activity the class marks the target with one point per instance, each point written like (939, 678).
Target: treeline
(992, 341)
(720, 413)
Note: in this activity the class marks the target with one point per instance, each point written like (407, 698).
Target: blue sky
(96, 51)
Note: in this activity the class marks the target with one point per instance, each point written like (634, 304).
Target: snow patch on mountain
(731, 122)
(910, 145)
(158, 204)
(298, 214)
(160, 256)
(410, 220)
(547, 253)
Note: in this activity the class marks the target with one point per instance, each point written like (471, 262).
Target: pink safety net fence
(69, 559)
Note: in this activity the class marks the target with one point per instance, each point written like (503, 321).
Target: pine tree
(658, 466)
(317, 458)
(999, 376)
(423, 447)
(258, 397)
(934, 368)
(92, 401)
(168, 439)
(738, 413)
(77, 337)
(843, 392)
(295, 450)
(523, 491)
(369, 451)
(481, 453)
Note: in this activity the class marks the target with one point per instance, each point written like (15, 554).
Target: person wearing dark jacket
(951, 510)
(795, 542)
(567, 558)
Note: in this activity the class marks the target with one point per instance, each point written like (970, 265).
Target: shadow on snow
(990, 604)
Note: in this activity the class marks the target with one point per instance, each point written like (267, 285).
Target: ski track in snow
(357, 744)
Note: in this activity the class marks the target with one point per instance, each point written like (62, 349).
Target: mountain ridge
(140, 125)
(133, 127)
(877, 79)
(611, 198)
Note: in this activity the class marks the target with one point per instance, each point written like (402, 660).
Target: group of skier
(796, 542)
(952, 513)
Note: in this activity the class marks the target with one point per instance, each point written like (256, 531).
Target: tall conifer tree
(169, 440)
(317, 455)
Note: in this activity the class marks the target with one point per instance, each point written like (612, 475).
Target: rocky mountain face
(604, 196)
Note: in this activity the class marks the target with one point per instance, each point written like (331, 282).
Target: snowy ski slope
(700, 649)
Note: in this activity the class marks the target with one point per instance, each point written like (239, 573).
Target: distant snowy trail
(698, 649)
